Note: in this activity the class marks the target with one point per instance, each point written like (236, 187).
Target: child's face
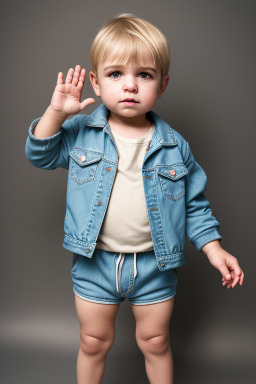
(139, 81)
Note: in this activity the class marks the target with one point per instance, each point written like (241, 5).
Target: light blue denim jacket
(174, 185)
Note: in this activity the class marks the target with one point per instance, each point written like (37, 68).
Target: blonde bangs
(128, 39)
(121, 48)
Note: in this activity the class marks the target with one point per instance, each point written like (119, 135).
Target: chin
(126, 112)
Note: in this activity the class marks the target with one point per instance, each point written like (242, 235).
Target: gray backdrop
(210, 100)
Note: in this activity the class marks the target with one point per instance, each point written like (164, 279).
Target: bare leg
(153, 339)
(97, 334)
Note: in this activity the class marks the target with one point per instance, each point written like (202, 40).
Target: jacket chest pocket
(172, 180)
(83, 164)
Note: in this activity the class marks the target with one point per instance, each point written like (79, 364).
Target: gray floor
(24, 366)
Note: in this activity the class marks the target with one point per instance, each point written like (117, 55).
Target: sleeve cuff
(40, 141)
(206, 237)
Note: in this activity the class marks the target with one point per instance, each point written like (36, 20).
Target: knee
(92, 345)
(156, 345)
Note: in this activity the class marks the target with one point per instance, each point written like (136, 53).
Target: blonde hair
(122, 40)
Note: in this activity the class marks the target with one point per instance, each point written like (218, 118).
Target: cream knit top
(126, 227)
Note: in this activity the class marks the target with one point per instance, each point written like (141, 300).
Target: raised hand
(66, 97)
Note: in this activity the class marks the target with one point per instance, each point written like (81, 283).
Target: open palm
(66, 97)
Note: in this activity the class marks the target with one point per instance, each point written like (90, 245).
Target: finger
(60, 78)
(236, 277)
(241, 279)
(86, 102)
(228, 282)
(237, 272)
(76, 75)
(81, 79)
(233, 276)
(225, 272)
(69, 76)
(235, 281)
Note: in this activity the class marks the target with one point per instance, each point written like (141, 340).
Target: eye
(115, 74)
(145, 75)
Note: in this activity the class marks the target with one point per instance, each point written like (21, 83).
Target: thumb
(225, 272)
(85, 103)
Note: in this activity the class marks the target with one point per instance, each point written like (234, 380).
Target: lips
(130, 100)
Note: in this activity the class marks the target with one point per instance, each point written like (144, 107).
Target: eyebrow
(121, 66)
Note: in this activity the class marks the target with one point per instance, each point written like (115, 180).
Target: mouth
(129, 101)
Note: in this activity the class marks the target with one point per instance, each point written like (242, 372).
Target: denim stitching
(96, 298)
(154, 301)
(131, 279)
(170, 197)
(81, 180)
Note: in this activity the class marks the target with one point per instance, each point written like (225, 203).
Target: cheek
(150, 94)
(109, 96)
(108, 90)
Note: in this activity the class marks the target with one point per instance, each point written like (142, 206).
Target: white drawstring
(119, 264)
(119, 269)
(135, 268)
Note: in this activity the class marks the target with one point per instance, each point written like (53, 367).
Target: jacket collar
(163, 132)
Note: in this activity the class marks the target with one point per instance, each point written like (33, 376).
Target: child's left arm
(202, 226)
(225, 263)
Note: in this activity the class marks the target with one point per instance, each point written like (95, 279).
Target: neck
(132, 128)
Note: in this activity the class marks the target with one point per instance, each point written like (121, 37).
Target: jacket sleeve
(201, 226)
(51, 152)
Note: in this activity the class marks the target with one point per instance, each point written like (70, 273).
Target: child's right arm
(51, 136)
(49, 124)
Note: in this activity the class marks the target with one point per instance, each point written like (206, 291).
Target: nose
(130, 84)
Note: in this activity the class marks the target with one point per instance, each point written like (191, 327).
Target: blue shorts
(110, 277)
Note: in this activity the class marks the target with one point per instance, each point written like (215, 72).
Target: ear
(164, 84)
(95, 84)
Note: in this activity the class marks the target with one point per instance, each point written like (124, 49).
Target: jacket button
(108, 169)
(83, 158)
(172, 172)
(99, 203)
(162, 264)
